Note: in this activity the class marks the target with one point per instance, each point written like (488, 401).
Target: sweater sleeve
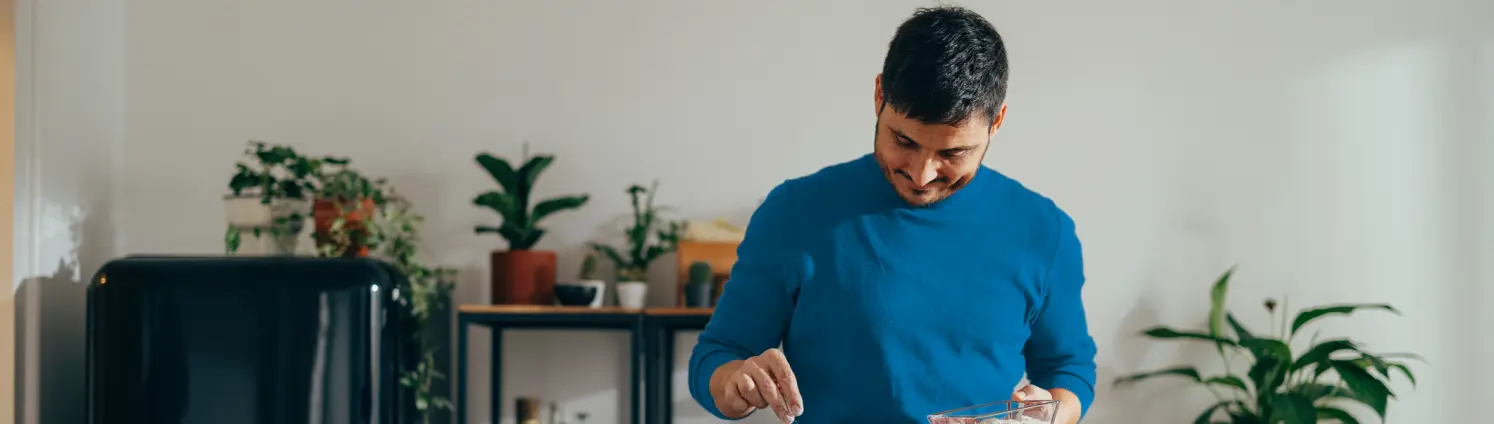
(1061, 353)
(753, 311)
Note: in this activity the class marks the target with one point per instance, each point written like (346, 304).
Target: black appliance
(235, 340)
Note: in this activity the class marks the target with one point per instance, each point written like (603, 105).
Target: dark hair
(944, 65)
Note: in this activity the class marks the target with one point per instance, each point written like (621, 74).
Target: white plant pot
(631, 294)
(249, 216)
(601, 287)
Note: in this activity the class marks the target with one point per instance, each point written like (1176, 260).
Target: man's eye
(906, 144)
(953, 154)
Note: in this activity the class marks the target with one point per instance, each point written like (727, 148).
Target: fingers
(778, 366)
(747, 389)
(768, 390)
(1031, 393)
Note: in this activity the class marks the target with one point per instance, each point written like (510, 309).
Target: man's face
(926, 163)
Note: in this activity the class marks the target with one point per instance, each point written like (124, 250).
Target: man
(911, 280)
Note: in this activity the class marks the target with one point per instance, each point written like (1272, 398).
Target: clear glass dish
(1003, 412)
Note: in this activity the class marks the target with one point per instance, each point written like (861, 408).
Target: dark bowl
(575, 295)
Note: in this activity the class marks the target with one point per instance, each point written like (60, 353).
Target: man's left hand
(1068, 403)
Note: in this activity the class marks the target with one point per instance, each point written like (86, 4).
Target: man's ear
(877, 97)
(996, 123)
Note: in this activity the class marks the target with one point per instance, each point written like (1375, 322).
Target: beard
(920, 198)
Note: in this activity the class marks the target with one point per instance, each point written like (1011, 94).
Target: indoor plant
(1278, 386)
(588, 278)
(648, 237)
(344, 204)
(521, 274)
(268, 197)
(698, 289)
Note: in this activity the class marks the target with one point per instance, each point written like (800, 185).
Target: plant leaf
(1309, 315)
(1322, 351)
(617, 259)
(1216, 306)
(1189, 372)
(530, 173)
(1404, 370)
(1168, 333)
(501, 172)
(1292, 408)
(1331, 413)
(1208, 414)
(545, 208)
(1272, 358)
(1228, 380)
(1240, 331)
(1365, 387)
(505, 204)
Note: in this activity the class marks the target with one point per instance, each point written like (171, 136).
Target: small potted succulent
(268, 198)
(521, 274)
(698, 289)
(589, 279)
(648, 237)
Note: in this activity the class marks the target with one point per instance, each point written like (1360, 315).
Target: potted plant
(1279, 386)
(588, 278)
(268, 198)
(344, 204)
(521, 274)
(648, 237)
(698, 289)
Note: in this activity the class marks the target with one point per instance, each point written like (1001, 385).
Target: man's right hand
(762, 381)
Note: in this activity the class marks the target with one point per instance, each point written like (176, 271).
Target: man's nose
(924, 172)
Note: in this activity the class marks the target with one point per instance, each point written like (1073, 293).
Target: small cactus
(589, 267)
(700, 273)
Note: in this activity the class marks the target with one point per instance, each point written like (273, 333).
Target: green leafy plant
(520, 222)
(649, 236)
(1279, 386)
(271, 173)
(396, 237)
(392, 234)
(276, 172)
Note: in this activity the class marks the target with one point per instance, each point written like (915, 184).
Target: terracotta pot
(325, 211)
(523, 277)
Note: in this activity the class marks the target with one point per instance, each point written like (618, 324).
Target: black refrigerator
(234, 340)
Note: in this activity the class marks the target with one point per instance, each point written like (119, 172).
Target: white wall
(1332, 148)
(70, 131)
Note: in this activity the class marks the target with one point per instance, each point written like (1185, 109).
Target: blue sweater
(888, 312)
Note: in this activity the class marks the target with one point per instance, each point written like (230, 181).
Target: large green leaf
(1189, 372)
(1309, 315)
(1365, 387)
(545, 208)
(1316, 391)
(1272, 359)
(1292, 408)
(1168, 333)
(501, 172)
(1208, 414)
(1322, 351)
(1331, 413)
(504, 204)
(1216, 306)
(530, 172)
(1240, 331)
(1228, 380)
